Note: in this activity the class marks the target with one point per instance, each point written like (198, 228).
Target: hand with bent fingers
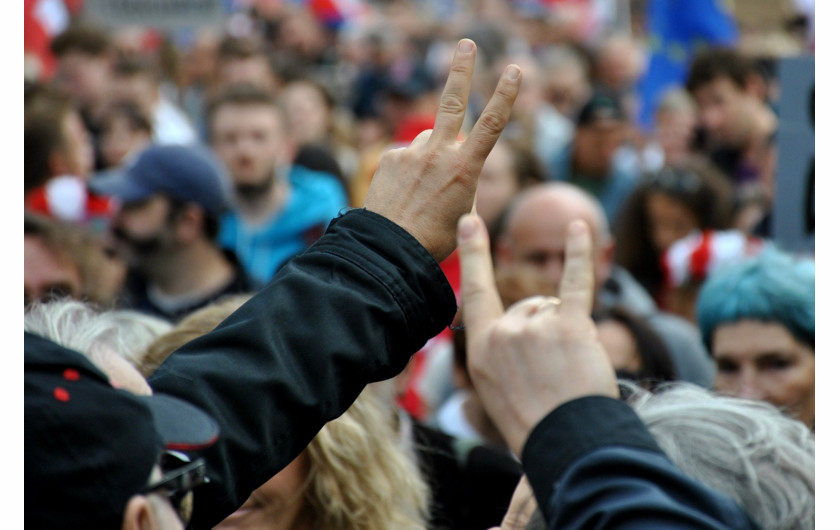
(543, 351)
(428, 185)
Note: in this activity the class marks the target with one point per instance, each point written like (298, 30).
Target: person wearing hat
(100, 457)
(596, 159)
(171, 199)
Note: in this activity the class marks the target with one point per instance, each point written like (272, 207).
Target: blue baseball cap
(186, 173)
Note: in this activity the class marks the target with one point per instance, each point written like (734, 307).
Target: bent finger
(480, 302)
(456, 94)
(577, 288)
(495, 116)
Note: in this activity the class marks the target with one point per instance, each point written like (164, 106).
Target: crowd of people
(402, 264)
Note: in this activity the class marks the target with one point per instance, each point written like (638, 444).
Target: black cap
(90, 447)
(600, 107)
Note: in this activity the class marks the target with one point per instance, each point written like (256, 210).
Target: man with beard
(172, 198)
(279, 208)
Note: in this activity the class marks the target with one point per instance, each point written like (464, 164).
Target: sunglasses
(674, 180)
(180, 477)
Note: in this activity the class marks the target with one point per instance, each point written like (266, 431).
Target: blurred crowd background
(180, 151)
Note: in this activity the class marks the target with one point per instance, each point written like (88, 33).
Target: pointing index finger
(480, 301)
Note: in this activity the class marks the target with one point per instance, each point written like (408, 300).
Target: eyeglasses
(675, 180)
(180, 477)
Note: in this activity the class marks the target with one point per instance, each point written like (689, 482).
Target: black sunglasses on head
(180, 477)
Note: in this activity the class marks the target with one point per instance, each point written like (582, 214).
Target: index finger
(577, 288)
(456, 94)
(480, 302)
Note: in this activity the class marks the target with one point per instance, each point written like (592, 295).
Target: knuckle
(460, 67)
(451, 104)
(493, 123)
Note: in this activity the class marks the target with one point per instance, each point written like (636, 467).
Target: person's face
(620, 346)
(278, 504)
(84, 77)
(47, 274)
(254, 70)
(138, 89)
(309, 116)
(668, 220)
(78, 147)
(250, 142)
(161, 510)
(567, 89)
(761, 360)
(143, 230)
(497, 184)
(595, 145)
(675, 134)
(537, 238)
(725, 111)
(121, 139)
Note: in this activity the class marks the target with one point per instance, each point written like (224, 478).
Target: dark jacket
(350, 310)
(593, 464)
(136, 293)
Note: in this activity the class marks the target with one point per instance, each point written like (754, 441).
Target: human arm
(349, 311)
(548, 385)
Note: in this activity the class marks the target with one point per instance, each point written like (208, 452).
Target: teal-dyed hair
(771, 287)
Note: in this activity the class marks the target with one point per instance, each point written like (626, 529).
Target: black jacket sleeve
(592, 463)
(349, 311)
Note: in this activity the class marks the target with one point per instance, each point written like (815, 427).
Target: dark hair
(130, 66)
(716, 63)
(211, 224)
(84, 38)
(698, 186)
(242, 94)
(137, 119)
(44, 112)
(657, 366)
(241, 48)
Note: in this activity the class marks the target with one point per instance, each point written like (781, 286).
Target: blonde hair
(360, 476)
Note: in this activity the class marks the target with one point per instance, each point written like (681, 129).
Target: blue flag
(677, 30)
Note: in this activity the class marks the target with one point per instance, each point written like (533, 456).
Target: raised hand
(428, 185)
(543, 351)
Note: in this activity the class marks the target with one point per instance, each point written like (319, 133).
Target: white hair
(79, 326)
(746, 449)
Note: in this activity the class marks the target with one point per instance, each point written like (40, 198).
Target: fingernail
(467, 227)
(465, 46)
(512, 72)
(577, 227)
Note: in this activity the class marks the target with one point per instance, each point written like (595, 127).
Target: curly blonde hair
(360, 476)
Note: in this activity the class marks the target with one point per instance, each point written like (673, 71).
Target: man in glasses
(99, 457)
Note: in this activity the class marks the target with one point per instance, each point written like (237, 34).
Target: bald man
(533, 233)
